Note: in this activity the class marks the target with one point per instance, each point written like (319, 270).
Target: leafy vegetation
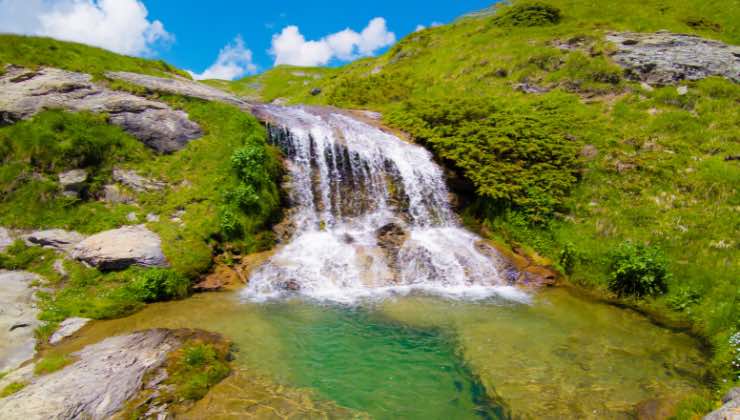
(196, 367)
(528, 14)
(160, 284)
(34, 52)
(638, 270)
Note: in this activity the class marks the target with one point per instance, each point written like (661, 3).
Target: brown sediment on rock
(234, 275)
(526, 269)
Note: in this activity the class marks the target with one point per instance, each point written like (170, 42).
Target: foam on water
(349, 183)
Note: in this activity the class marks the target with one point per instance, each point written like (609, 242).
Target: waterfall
(371, 215)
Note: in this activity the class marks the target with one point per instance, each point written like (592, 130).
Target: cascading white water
(372, 217)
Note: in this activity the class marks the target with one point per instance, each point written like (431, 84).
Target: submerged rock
(18, 314)
(665, 58)
(57, 239)
(68, 327)
(120, 248)
(98, 385)
(25, 92)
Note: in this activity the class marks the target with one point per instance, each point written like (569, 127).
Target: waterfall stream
(371, 217)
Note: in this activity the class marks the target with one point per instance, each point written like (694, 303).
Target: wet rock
(24, 93)
(665, 58)
(120, 248)
(290, 285)
(18, 314)
(136, 182)
(57, 239)
(5, 239)
(178, 86)
(731, 408)
(73, 182)
(68, 327)
(655, 409)
(105, 376)
(391, 238)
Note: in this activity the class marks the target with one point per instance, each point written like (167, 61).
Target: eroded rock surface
(105, 376)
(178, 86)
(136, 182)
(731, 409)
(24, 93)
(57, 239)
(665, 58)
(120, 248)
(18, 314)
(73, 182)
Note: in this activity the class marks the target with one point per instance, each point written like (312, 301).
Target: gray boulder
(731, 409)
(73, 182)
(179, 86)
(24, 93)
(105, 377)
(68, 327)
(136, 182)
(18, 314)
(120, 248)
(664, 58)
(57, 239)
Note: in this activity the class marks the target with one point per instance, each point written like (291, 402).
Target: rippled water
(425, 358)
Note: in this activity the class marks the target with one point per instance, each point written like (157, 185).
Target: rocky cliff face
(25, 92)
(664, 58)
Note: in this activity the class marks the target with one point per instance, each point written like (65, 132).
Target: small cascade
(372, 217)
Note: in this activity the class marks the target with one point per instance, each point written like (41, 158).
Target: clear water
(424, 357)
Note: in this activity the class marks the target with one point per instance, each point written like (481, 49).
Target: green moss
(12, 388)
(52, 363)
(197, 369)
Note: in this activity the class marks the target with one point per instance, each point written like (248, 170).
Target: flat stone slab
(6, 239)
(664, 58)
(24, 93)
(58, 239)
(105, 376)
(18, 314)
(120, 248)
(67, 328)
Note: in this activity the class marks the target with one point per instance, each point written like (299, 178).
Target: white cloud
(118, 25)
(234, 61)
(291, 47)
(422, 27)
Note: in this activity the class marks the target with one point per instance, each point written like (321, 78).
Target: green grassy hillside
(596, 166)
(213, 203)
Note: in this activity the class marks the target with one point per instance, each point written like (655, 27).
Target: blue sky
(232, 38)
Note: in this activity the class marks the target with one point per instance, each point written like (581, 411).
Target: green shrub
(529, 14)
(201, 367)
(160, 284)
(231, 228)
(520, 158)
(638, 270)
(245, 196)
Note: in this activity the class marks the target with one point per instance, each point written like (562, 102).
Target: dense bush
(519, 158)
(529, 14)
(159, 284)
(638, 270)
